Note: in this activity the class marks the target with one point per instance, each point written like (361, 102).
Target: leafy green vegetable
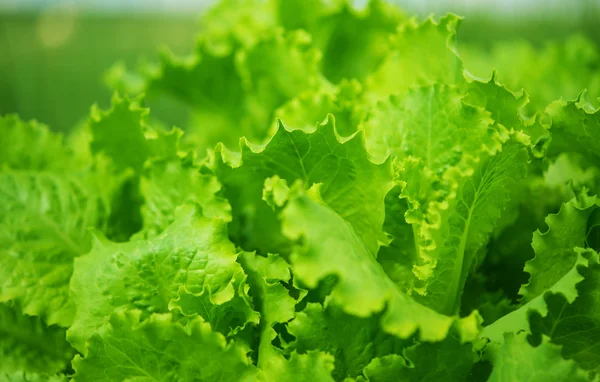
(346, 203)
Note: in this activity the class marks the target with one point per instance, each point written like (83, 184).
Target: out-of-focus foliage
(348, 202)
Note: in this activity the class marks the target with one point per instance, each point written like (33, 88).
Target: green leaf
(556, 258)
(398, 258)
(28, 345)
(168, 184)
(267, 277)
(354, 341)
(508, 109)
(421, 54)
(276, 69)
(517, 360)
(31, 146)
(193, 252)
(230, 23)
(574, 326)
(345, 101)
(126, 348)
(119, 133)
(354, 42)
(352, 185)
(122, 134)
(235, 92)
(431, 123)
(555, 269)
(330, 247)
(549, 71)
(457, 172)
(575, 128)
(448, 360)
(504, 106)
(451, 232)
(45, 213)
(313, 366)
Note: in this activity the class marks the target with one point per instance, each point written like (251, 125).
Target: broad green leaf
(352, 185)
(276, 69)
(313, 366)
(457, 171)
(421, 54)
(230, 23)
(330, 247)
(508, 109)
(575, 128)
(234, 92)
(555, 255)
(518, 360)
(432, 123)
(555, 269)
(504, 106)
(450, 233)
(168, 184)
(31, 146)
(353, 341)
(209, 83)
(158, 349)
(449, 360)
(398, 257)
(28, 345)
(345, 101)
(267, 277)
(549, 71)
(193, 253)
(575, 326)
(509, 248)
(123, 134)
(354, 42)
(47, 206)
(119, 133)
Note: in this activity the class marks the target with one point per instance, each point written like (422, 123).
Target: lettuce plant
(347, 203)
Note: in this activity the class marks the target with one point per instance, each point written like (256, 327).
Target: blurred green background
(53, 54)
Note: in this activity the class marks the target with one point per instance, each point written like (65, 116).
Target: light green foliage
(449, 360)
(28, 345)
(559, 254)
(160, 349)
(557, 69)
(351, 184)
(421, 54)
(472, 163)
(191, 264)
(48, 201)
(348, 201)
(574, 325)
(518, 360)
(362, 288)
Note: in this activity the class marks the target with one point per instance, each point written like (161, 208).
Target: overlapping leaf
(191, 264)
(28, 345)
(559, 255)
(331, 247)
(518, 360)
(457, 171)
(48, 201)
(575, 325)
(126, 348)
(351, 184)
